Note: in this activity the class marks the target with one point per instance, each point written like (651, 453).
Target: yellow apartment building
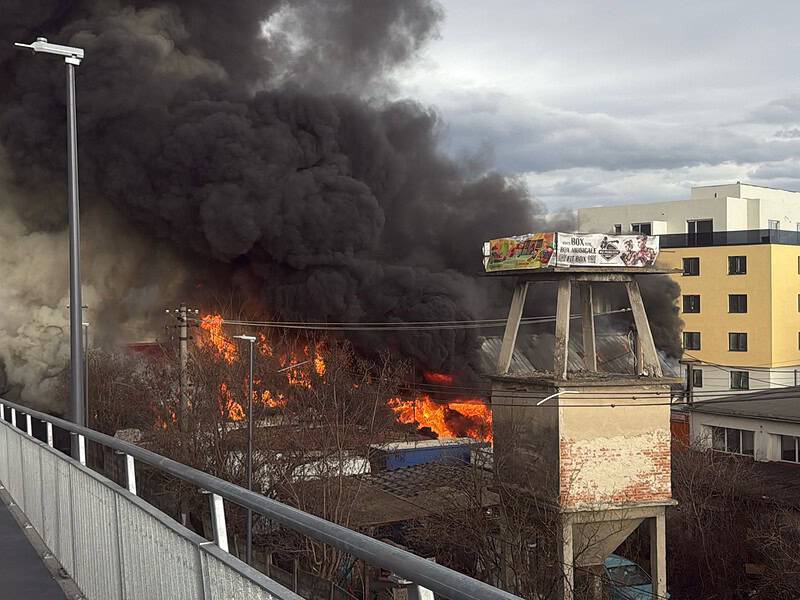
(740, 288)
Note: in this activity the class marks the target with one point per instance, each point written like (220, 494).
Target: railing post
(130, 471)
(2, 412)
(49, 434)
(218, 522)
(81, 449)
(13, 417)
(29, 425)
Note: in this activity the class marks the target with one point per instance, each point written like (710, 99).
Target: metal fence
(117, 546)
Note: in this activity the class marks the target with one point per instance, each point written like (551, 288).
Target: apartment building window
(737, 265)
(737, 303)
(773, 224)
(643, 228)
(697, 378)
(740, 380)
(790, 448)
(735, 441)
(700, 232)
(691, 304)
(737, 342)
(691, 266)
(691, 340)
(617, 228)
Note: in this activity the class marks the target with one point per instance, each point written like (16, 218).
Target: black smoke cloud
(256, 135)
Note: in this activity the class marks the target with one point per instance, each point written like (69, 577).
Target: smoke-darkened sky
(605, 102)
(274, 148)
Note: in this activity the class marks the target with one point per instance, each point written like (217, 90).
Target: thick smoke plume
(254, 140)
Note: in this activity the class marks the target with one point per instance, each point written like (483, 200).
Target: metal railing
(742, 237)
(203, 560)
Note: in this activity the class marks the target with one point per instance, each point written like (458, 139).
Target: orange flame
(470, 417)
(433, 377)
(212, 325)
(229, 407)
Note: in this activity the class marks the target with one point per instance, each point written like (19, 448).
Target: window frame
(731, 305)
(685, 297)
(727, 433)
(697, 378)
(796, 449)
(774, 224)
(696, 260)
(733, 261)
(617, 228)
(737, 347)
(691, 333)
(637, 228)
(743, 375)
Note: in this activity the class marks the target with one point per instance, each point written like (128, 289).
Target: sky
(596, 103)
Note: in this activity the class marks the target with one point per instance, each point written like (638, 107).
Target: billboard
(600, 250)
(530, 251)
(549, 249)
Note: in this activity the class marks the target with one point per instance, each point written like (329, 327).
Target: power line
(396, 326)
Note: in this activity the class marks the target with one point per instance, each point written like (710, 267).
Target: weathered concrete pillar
(567, 557)
(587, 322)
(649, 365)
(658, 553)
(561, 350)
(512, 327)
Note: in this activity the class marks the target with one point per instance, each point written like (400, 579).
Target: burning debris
(469, 417)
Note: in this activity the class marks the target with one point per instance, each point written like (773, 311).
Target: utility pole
(690, 364)
(183, 339)
(182, 314)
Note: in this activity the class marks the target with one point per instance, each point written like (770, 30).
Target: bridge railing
(116, 545)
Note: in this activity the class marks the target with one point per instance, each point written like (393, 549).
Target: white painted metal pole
(49, 434)
(3, 412)
(13, 417)
(29, 425)
(130, 471)
(218, 522)
(82, 449)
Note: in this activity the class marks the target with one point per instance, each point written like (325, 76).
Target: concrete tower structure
(592, 446)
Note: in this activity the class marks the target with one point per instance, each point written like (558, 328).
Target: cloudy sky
(606, 102)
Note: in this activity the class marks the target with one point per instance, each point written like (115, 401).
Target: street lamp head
(71, 55)
(247, 338)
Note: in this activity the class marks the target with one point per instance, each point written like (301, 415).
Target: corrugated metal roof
(534, 353)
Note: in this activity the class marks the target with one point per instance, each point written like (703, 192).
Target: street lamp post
(249, 460)
(72, 58)
(249, 548)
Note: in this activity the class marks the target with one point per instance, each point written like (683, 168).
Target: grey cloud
(782, 110)
(533, 138)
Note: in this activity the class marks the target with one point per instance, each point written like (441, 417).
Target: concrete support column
(649, 364)
(658, 553)
(587, 324)
(561, 350)
(512, 327)
(567, 557)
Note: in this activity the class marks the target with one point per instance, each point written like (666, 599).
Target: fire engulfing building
(592, 445)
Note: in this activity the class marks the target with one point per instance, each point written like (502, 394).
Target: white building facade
(730, 207)
(764, 425)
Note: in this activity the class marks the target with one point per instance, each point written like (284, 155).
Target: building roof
(533, 354)
(776, 404)
(425, 444)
